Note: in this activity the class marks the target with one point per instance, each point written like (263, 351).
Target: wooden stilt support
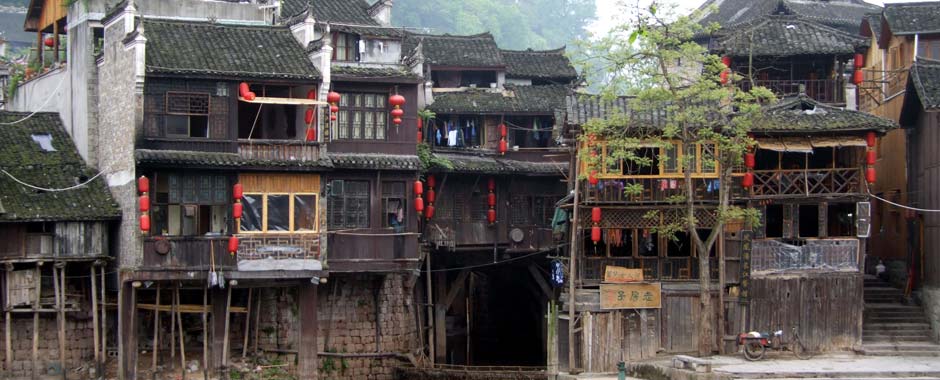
(205, 334)
(258, 319)
(179, 321)
(225, 337)
(173, 327)
(156, 337)
(58, 286)
(247, 325)
(104, 325)
(94, 318)
(9, 322)
(38, 281)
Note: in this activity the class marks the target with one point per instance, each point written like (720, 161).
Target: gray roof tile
(539, 64)
(913, 18)
(925, 76)
(477, 50)
(845, 15)
(787, 36)
(486, 164)
(515, 99)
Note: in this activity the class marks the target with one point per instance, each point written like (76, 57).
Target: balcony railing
(379, 250)
(769, 183)
(188, 253)
(822, 90)
(654, 268)
(278, 150)
(654, 189)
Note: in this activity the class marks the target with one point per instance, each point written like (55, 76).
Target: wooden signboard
(631, 296)
(621, 275)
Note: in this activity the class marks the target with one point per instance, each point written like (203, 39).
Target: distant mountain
(15, 3)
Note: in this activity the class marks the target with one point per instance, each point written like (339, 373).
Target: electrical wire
(542, 252)
(51, 190)
(900, 205)
(38, 110)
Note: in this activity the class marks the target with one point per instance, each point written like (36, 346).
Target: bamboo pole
(104, 325)
(247, 325)
(94, 318)
(205, 334)
(9, 323)
(156, 336)
(173, 310)
(572, 269)
(58, 287)
(38, 287)
(257, 319)
(179, 321)
(225, 338)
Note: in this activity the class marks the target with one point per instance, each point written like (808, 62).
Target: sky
(609, 11)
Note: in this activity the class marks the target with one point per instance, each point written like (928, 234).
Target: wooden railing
(278, 150)
(654, 268)
(822, 90)
(378, 250)
(187, 253)
(279, 246)
(654, 189)
(769, 183)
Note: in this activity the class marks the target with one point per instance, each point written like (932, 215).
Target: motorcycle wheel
(753, 350)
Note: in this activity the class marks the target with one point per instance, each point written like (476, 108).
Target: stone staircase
(891, 328)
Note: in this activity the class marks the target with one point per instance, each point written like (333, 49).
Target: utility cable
(38, 110)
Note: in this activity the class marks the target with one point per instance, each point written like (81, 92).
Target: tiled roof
(925, 76)
(207, 49)
(515, 99)
(220, 160)
(845, 15)
(583, 107)
(785, 36)
(375, 161)
(535, 64)
(478, 50)
(872, 21)
(802, 114)
(913, 18)
(22, 157)
(342, 11)
(467, 163)
(357, 72)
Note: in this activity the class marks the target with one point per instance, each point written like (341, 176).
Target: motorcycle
(755, 344)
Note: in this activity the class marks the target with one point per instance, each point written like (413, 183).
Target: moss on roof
(802, 114)
(913, 18)
(787, 36)
(477, 50)
(23, 157)
(539, 64)
(515, 99)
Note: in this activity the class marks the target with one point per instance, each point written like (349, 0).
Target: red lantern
(491, 199)
(334, 109)
(432, 196)
(311, 134)
(859, 61)
(49, 42)
(748, 180)
(503, 146)
(308, 116)
(420, 123)
(238, 191)
(250, 96)
(419, 204)
(870, 175)
(596, 214)
(396, 100)
(596, 234)
(491, 216)
(432, 181)
(429, 212)
(396, 121)
(418, 188)
(871, 157)
(858, 77)
(233, 244)
(749, 160)
(420, 136)
(312, 94)
(333, 97)
(144, 203)
(724, 76)
(491, 184)
(726, 60)
(333, 117)
(145, 222)
(871, 138)
(143, 184)
(243, 89)
(398, 113)
(592, 179)
(237, 209)
(502, 130)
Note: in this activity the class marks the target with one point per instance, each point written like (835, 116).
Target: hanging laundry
(438, 135)
(663, 184)
(473, 134)
(673, 184)
(451, 135)
(535, 126)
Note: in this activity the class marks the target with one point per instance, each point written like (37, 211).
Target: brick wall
(79, 345)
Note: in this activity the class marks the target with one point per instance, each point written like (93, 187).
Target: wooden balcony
(654, 189)
(278, 150)
(799, 182)
(378, 250)
(654, 268)
(187, 144)
(187, 253)
(830, 91)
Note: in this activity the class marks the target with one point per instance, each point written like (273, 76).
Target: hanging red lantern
(429, 212)
(726, 60)
(49, 42)
(725, 74)
(396, 100)
(871, 157)
(859, 61)
(502, 130)
(144, 203)
(592, 178)
(750, 160)
(143, 184)
(250, 96)
(396, 121)
(432, 196)
(237, 209)
(503, 146)
(420, 123)
(243, 89)
(308, 116)
(491, 216)
(491, 184)
(311, 134)
(333, 97)
(858, 77)
(748, 180)
(870, 139)
(238, 191)
(419, 204)
(596, 234)
(420, 136)
(418, 188)
(432, 181)
(334, 108)
(398, 113)
(145, 222)
(870, 175)
(596, 214)
(232, 244)
(491, 199)
(333, 117)
(312, 94)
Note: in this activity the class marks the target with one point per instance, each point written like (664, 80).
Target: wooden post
(218, 329)
(38, 287)
(94, 318)
(173, 327)
(127, 323)
(228, 317)
(721, 292)
(247, 325)
(55, 42)
(9, 322)
(573, 267)
(179, 321)
(430, 307)
(307, 346)
(156, 336)
(205, 334)
(39, 49)
(58, 286)
(257, 319)
(104, 325)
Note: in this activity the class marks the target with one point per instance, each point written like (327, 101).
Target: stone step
(896, 340)
(900, 353)
(930, 346)
(897, 326)
(898, 334)
(881, 290)
(920, 319)
(891, 307)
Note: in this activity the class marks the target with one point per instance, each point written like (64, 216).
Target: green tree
(521, 24)
(677, 82)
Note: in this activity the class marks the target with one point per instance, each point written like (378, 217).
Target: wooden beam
(104, 325)
(156, 336)
(205, 334)
(94, 318)
(38, 281)
(179, 322)
(228, 317)
(8, 332)
(247, 324)
(546, 289)
(307, 346)
(58, 284)
(455, 288)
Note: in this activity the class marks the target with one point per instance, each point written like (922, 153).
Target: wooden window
(666, 162)
(349, 204)
(190, 204)
(187, 114)
(279, 213)
(928, 49)
(345, 47)
(394, 205)
(362, 116)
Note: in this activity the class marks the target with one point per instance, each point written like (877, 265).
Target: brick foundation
(79, 345)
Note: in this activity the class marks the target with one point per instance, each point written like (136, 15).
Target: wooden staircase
(891, 328)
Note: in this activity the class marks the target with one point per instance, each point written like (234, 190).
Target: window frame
(181, 202)
(346, 124)
(189, 115)
(345, 197)
(292, 210)
(699, 172)
(404, 203)
(350, 48)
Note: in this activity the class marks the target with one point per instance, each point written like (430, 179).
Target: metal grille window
(519, 213)
(393, 205)
(362, 117)
(187, 114)
(190, 204)
(349, 204)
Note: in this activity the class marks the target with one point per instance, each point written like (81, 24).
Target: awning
(839, 142)
(289, 101)
(786, 145)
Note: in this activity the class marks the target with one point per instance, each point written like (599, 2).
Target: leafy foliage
(429, 160)
(537, 24)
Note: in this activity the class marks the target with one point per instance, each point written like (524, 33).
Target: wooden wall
(68, 239)
(611, 337)
(925, 170)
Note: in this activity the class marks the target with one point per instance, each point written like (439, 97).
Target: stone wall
(347, 323)
(79, 346)
(931, 299)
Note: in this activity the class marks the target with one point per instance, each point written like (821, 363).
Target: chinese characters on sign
(631, 296)
(621, 275)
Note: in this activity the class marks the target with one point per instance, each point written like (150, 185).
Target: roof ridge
(456, 36)
(222, 23)
(530, 50)
(913, 3)
(798, 18)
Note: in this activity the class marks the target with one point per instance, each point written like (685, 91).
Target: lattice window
(187, 103)
(519, 212)
(478, 207)
(349, 204)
